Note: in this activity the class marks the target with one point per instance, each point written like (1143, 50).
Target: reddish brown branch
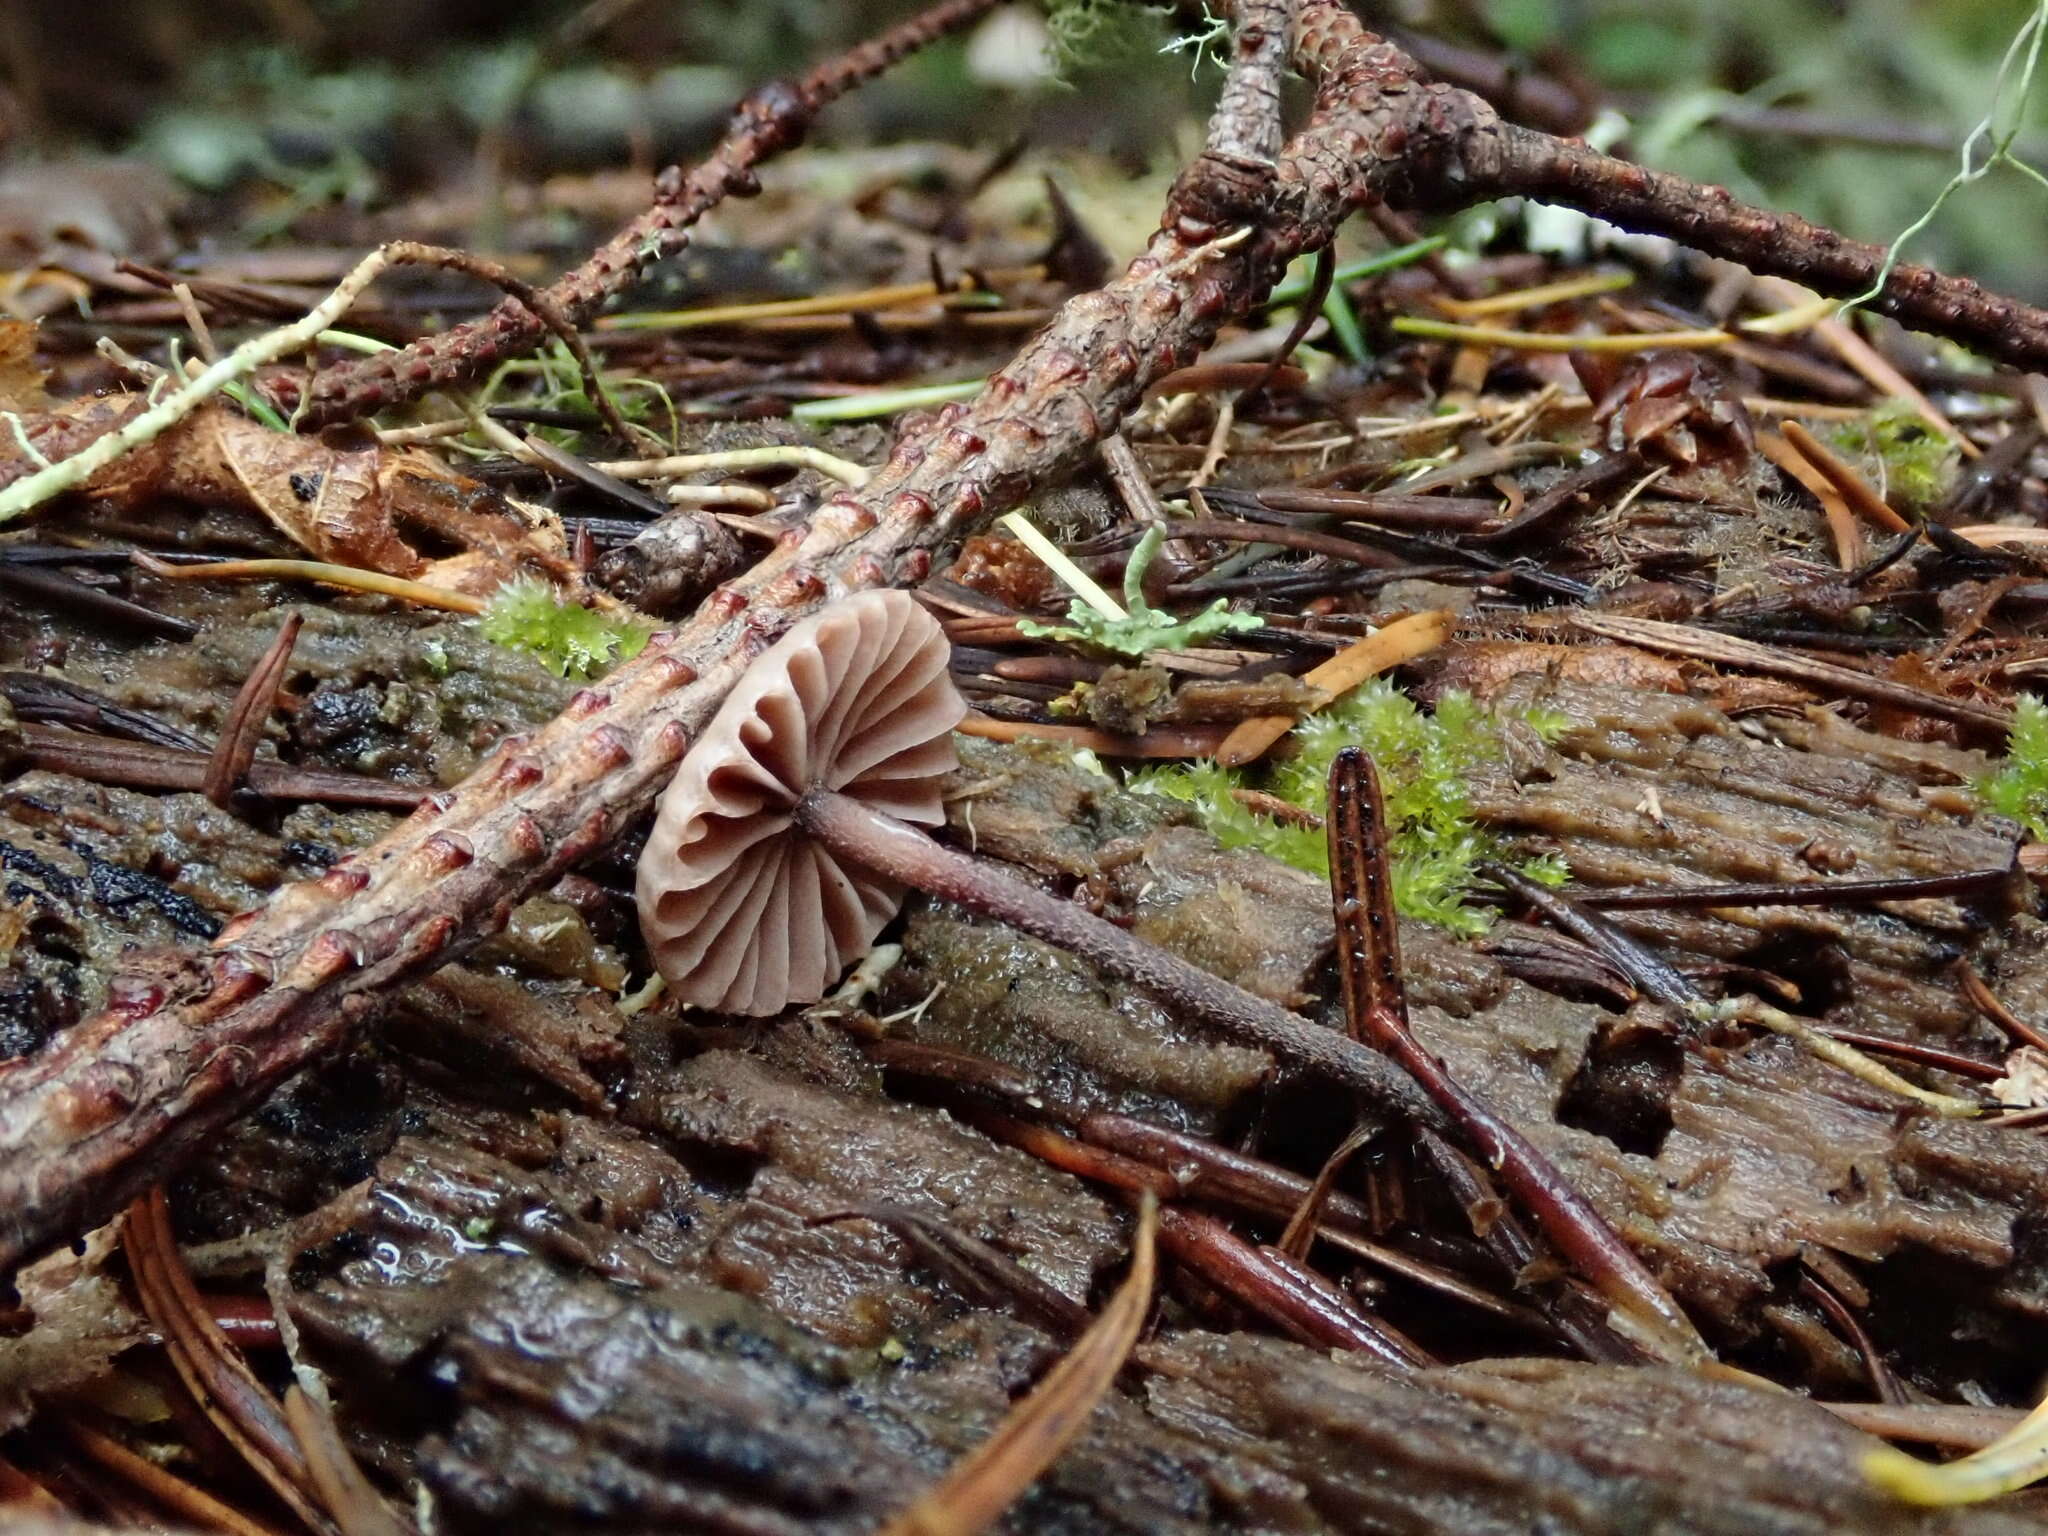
(772, 118)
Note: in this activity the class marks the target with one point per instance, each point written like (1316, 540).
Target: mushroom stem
(905, 855)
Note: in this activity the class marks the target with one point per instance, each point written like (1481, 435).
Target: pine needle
(973, 1496)
(2006, 1465)
(349, 577)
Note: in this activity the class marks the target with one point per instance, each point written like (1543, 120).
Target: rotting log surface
(117, 1101)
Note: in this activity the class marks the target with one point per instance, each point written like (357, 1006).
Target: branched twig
(539, 303)
(772, 118)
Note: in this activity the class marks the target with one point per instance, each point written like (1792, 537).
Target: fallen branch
(772, 118)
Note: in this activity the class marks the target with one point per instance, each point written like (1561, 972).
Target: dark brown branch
(1503, 160)
(144, 765)
(1369, 968)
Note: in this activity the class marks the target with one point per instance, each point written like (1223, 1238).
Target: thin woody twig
(542, 305)
(772, 118)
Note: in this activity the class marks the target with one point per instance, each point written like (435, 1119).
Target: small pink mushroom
(742, 912)
(785, 845)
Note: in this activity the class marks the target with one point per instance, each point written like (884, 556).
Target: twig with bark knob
(772, 118)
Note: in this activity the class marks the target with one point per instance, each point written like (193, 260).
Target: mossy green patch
(2018, 787)
(1918, 461)
(569, 639)
(1426, 762)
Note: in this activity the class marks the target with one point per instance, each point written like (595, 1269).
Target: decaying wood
(117, 1100)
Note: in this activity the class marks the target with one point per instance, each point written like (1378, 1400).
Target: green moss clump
(2018, 787)
(1425, 762)
(569, 639)
(1918, 461)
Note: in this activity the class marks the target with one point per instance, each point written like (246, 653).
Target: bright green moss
(1918, 461)
(1425, 762)
(571, 640)
(2018, 787)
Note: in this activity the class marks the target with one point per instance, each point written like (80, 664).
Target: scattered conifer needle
(740, 314)
(348, 576)
(869, 404)
(1987, 534)
(1855, 1063)
(1297, 288)
(1841, 522)
(1083, 586)
(1549, 341)
(1031, 1437)
(2004, 1466)
(1789, 322)
(1534, 298)
(1854, 488)
(1403, 640)
(778, 455)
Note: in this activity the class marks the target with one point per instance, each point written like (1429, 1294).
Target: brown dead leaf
(21, 381)
(350, 501)
(81, 1321)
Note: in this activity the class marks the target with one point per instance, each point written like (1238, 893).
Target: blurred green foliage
(356, 98)
(1680, 68)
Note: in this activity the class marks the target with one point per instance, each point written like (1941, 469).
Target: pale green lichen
(1140, 627)
(1426, 762)
(569, 639)
(1090, 34)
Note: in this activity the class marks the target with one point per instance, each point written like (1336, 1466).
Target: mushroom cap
(742, 912)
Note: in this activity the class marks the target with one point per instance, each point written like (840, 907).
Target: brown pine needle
(1841, 522)
(348, 576)
(1403, 640)
(1854, 488)
(1990, 534)
(741, 314)
(973, 1496)
(1160, 741)
(242, 731)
